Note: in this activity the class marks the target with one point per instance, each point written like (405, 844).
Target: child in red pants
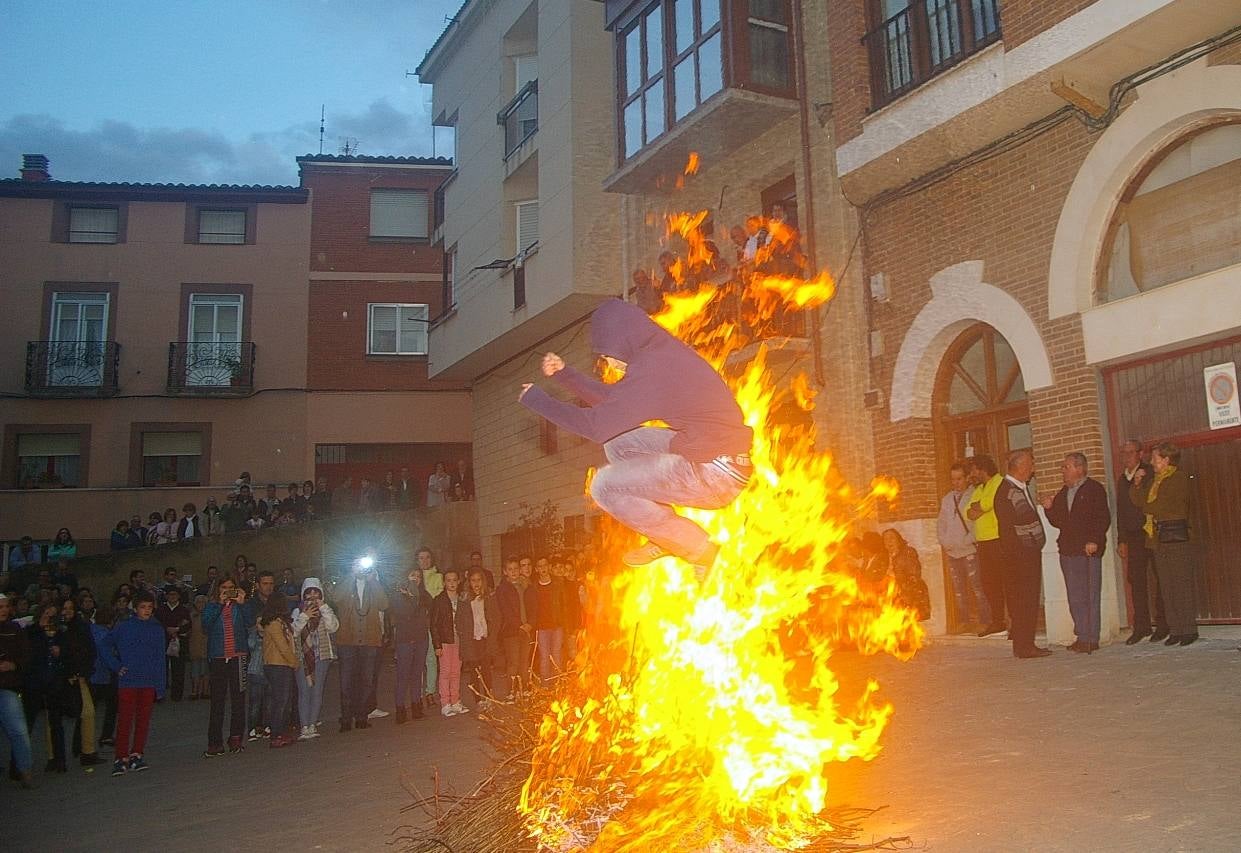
(135, 651)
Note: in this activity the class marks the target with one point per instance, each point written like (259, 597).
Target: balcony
(924, 39)
(520, 119)
(211, 369)
(72, 368)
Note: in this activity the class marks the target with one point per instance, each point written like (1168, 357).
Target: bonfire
(703, 716)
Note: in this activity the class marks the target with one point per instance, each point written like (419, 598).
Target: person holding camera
(411, 614)
(314, 624)
(224, 621)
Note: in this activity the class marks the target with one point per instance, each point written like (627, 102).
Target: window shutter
(49, 444)
(526, 68)
(384, 320)
(527, 225)
(92, 224)
(399, 213)
(172, 444)
(222, 226)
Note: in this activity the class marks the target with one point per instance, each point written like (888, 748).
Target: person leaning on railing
(1165, 500)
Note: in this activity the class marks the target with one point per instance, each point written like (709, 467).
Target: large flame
(700, 712)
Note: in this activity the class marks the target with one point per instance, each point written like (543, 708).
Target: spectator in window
(166, 530)
(14, 664)
(343, 500)
(270, 505)
(439, 486)
(63, 547)
(190, 526)
(210, 519)
(321, 500)
(406, 491)
(25, 553)
(175, 617)
(463, 481)
(125, 537)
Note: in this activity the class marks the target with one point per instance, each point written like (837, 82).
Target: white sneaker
(461, 709)
(314, 731)
(447, 710)
(306, 733)
(377, 714)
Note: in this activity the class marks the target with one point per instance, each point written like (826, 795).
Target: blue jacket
(214, 626)
(102, 673)
(138, 645)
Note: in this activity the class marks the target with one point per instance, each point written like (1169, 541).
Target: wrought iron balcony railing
(925, 38)
(520, 118)
(72, 368)
(217, 368)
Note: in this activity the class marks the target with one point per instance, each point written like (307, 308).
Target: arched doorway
(979, 404)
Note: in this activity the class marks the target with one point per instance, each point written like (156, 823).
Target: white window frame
(223, 238)
(87, 236)
(532, 246)
(402, 230)
(417, 308)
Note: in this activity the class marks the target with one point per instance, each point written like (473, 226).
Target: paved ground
(1128, 749)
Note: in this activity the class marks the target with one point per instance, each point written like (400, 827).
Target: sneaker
(137, 763)
(265, 732)
(119, 767)
(461, 709)
(311, 732)
(448, 710)
(640, 556)
(377, 714)
(254, 735)
(236, 745)
(213, 752)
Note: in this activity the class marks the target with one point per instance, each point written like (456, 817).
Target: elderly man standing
(1021, 541)
(1080, 510)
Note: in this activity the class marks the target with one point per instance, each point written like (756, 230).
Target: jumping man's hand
(552, 364)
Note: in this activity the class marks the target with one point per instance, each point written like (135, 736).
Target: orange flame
(703, 712)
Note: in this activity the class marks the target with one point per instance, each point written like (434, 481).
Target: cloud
(121, 151)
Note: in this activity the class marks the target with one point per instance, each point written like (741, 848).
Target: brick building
(376, 283)
(152, 347)
(1048, 198)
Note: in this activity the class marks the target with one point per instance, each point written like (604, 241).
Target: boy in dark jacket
(134, 650)
(701, 459)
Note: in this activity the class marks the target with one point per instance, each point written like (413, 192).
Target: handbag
(1172, 530)
(174, 648)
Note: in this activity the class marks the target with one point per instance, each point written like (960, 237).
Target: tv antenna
(322, 116)
(349, 146)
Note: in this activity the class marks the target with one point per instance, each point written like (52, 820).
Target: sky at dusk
(225, 91)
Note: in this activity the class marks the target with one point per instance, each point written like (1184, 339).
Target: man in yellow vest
(986, 477)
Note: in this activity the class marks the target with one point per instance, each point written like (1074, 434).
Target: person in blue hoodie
(700, 460)
(134, 650)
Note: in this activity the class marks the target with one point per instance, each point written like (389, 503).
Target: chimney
(34, 168)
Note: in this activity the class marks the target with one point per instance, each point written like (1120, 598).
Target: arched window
(980, 398)
(1180, 216)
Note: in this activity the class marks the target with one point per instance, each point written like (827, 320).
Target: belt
(738, 467)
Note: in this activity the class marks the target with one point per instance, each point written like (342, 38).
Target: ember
(700, 715)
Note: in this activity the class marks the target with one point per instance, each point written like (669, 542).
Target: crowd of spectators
(260, 647)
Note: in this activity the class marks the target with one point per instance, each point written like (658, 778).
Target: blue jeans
(256, 696)
(551, 641)
(1083, 580)
(13, 722)
(432, 667)
(310, 696)
(643, 480)
(279, 697)
(967, 578)
(410, 670)
(356, 665)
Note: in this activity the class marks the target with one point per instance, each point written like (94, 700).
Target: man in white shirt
(956, 537)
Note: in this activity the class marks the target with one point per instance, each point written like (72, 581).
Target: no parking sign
(1223, 407)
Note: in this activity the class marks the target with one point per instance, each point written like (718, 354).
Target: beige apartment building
(532, 242)
(152, 347)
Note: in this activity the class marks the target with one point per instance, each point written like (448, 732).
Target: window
(768, 26)
(213, 353)
(450, 280)
(94, 224)
(527, 225)
(171, 458)
(399, 214)
(394, 329)
(642, 105)
(76, 340)
(698, 70)
(222, 226)
(49, 460)
(525, 69)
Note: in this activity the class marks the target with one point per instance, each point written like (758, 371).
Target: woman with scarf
(314, 623)
(1165, 500)
(279, 664)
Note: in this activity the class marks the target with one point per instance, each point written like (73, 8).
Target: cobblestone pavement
(1128, 749)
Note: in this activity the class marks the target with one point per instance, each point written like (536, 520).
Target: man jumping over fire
(700, 460)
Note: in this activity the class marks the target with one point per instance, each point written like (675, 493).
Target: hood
(621, 329)
(311, 583)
